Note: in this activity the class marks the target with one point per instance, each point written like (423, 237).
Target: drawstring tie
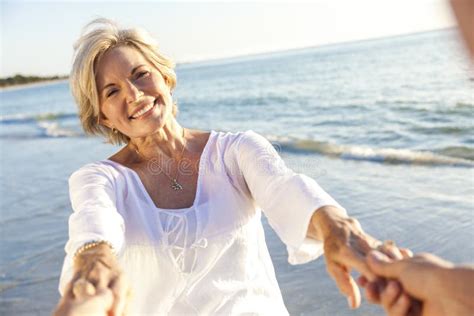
(176, 238)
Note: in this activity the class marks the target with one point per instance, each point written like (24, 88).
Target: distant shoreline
(32, 84)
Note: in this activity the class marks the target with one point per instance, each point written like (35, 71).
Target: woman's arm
(297, 208)
(95, 227)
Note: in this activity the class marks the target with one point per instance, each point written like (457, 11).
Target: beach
(385, 126)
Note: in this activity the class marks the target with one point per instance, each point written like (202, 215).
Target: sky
(36, 37)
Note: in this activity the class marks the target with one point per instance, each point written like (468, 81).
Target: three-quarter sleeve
(95, 216)
(288, 199)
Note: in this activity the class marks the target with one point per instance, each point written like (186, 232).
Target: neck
(168, 142)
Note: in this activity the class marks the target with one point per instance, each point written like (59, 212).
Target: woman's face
(133, 95)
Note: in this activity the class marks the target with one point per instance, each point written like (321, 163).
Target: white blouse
(210, 258)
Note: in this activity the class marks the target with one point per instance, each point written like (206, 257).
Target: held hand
(79, 301)
(425, 277)
(99, 269)
(395, 302)
(346, 246)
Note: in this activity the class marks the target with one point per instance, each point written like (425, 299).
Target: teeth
(142, 111)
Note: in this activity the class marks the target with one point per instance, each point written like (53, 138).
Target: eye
(142, 74)
(111, 92)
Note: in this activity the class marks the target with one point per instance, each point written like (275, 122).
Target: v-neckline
(148, 196)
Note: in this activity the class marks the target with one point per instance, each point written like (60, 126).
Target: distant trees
(20, 79)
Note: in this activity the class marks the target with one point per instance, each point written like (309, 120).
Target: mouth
(144, 111)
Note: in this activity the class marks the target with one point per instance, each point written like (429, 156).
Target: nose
(133, 94)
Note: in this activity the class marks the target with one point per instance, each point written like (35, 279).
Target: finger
(83, 288)
(99, 276)
(120, 290)
(390, 250)
(351, 260)
(400, 306)
(372, 293)
(383, 266)
(390, 295)
(68, 293)
(101, 303)
(346, 284)
(406, 253)
(393, 253)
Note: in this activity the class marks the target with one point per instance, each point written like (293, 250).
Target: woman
(178, 211)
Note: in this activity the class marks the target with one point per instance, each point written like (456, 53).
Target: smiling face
(133, 95)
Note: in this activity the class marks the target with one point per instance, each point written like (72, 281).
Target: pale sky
(37, 37)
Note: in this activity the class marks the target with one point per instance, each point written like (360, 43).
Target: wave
(48, 124)
(52, 129)
(458, 151)
(24, 118)
(443, 130)
(380, 155)
(427, 107)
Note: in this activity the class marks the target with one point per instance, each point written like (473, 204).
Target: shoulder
(241, 139)
(103, 170)
(242, 146)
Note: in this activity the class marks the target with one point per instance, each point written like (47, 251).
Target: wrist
(328, 218)
(98, 252)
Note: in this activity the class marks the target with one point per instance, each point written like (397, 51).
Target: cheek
(113, 111)
(159, 82)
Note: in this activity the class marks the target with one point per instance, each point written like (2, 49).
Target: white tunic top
(210, 258)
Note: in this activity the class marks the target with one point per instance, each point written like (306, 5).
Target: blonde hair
(98, 37)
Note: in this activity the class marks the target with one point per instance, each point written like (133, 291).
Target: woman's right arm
(96, 233)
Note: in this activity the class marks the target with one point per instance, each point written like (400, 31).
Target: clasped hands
(98, 287)
(390, 275)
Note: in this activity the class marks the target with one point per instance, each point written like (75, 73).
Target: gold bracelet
(92, 244)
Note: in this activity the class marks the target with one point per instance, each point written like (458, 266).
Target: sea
(384, 125)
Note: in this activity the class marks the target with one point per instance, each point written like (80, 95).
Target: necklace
(175, 185)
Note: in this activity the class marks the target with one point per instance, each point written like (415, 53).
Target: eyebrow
(131, 73)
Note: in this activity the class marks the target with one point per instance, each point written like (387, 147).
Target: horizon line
(223, 59)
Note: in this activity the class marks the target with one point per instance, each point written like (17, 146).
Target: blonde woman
(178, 211)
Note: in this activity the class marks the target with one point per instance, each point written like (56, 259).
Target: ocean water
(385, 126)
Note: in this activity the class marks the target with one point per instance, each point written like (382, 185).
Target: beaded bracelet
(92, 244)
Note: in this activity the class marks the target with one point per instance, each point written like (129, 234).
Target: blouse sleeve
(288, 199)
(95, 216)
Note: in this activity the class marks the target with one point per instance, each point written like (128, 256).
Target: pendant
(175, 185)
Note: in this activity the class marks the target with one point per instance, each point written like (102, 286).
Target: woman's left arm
(300, 212)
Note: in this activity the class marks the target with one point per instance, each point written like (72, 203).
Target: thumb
(103, 300)
(382, 265)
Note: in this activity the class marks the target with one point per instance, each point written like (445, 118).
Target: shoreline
(32, 84)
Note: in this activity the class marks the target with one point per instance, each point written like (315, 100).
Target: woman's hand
(99, 267)
(79, 301)
(346, 246)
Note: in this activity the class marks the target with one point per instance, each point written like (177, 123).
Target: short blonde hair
(98, 37)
